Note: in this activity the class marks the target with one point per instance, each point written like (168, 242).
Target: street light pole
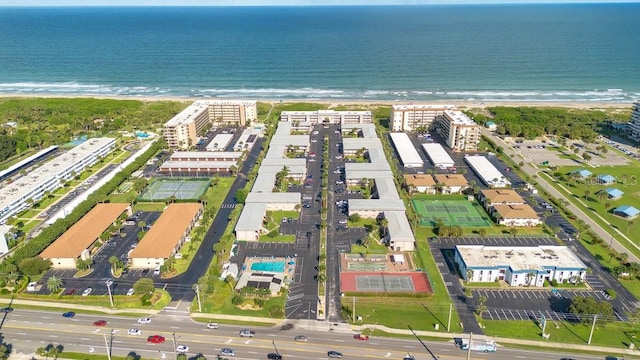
(274, 346)
(469, 347)
(198, 295)
(175, 349)
(353, 316)
(106, 344)
(593, 326)
(449, 321)
(109, 289)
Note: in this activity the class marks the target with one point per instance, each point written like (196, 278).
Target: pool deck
(289, 270)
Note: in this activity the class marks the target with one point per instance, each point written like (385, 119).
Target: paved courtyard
(534, 153)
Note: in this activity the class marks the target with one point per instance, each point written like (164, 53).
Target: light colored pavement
(531, 170)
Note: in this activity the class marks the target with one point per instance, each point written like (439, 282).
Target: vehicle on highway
(361, 337)
(408, 357)
(182, 349)
(130, 292)
(68, 314)
(155, 339)
(213, 325)
(274, 356)
(478, 345)
(301, 338)
(100, 323)
(334, 354)
(134, 332)
(144, 320)
(87, 291)
(7, 309)
(227, 352)
(247, 333)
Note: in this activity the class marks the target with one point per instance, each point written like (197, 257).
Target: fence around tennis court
(182, 189)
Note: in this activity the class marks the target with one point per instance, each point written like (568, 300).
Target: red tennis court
(360, 281)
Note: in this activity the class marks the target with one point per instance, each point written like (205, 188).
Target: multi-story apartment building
(183, 130)
(634, 123)
(328, 117)
(460, 132)
(28, 189)
(412, 117)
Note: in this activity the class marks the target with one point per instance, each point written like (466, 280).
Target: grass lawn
(120, 301)
(481, 285)
(419, 313)
(605, 334)
(220, 302)
(278, 238)
(149, 206)
(277, 216)
(374, 248)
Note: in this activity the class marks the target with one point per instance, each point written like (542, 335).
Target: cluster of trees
(531, 122)
(42, 122)
(447, 230)
(587, 305)
(24, 260)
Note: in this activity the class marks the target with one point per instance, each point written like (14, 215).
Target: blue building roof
(583, 173)
(606, 179)
(629, 211)
(614, 193)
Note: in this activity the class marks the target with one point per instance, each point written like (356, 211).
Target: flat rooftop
(405, 107)
(520, 258)
(485, 169)
(437, 154)
(407, 152)
(459, 118)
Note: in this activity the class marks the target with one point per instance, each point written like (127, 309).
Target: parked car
(144, 320)
(182, 349)
(301, 338)
(134, 332)
(100, 323)
(68, 314)
(87, 291)
(155, 339)
(274, 356)
(334, 354)
(247, 333)
(130, 292)
(213, 325)
(227, 352)
(71, 292)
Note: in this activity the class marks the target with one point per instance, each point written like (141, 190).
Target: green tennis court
(452, 212)
(162, 189)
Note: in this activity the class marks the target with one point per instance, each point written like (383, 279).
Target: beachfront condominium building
(182, 130)
(327, 117)
(460, 132)
(634, 123)
(414, 117)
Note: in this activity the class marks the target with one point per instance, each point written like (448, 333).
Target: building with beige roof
(451, 183)
(515, 215)
(489, 198)
(411, 117)
(78, 240)
(421, 183)
(166, 236)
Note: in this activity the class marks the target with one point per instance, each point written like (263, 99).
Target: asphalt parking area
(498, 241)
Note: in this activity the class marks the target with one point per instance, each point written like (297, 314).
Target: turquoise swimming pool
(272, 266)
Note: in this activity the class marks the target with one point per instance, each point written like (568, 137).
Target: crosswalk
(228, 206)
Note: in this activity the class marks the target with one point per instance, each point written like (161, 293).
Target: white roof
(520, 258)
(399, 228)
(273, 198)
(26, 161)
(222, 140)
(192, 111)
(205, 155)
(4, 229)
(368, 130)
(294, 140)
(376, 204)
(458, 117)
(386, 188)
(359, 143)
(438, 155)
(176, 164)
(265, 181)
(422, 107)
(408, 154)
(376, 155)
(487, 172)
(367, 170)
(251, 217)
(295, 166)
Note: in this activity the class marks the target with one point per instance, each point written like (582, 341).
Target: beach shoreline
(462, 104)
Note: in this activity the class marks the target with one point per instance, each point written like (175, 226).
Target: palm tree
(482, 232)
(113, 260)
(321, 277)
(142, 224)
(54, 284)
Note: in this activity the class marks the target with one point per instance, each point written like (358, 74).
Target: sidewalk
(499, 340)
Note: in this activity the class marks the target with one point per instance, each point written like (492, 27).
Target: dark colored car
(100, 323)
(71, 291)
(155, 339)
(68, 314)
(6, 309)
(274, 356)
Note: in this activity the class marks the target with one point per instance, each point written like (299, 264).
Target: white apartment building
(182, 130)
(47, 178)
(461, 133)
(634, 124)
(412, 117)
(328, 117)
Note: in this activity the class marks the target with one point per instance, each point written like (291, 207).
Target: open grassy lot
(221, 302)
(605, 334)
(162, 299)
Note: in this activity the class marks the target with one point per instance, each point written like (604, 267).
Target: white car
(87, 291)
(134, 332)
(213, 325)
(130, 292)
(144, 321)
(182, 349)
(227, 352)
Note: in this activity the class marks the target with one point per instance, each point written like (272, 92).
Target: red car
(361, 337)
(155, 339)
(100, 323)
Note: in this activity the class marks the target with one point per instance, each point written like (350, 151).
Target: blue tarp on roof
(628, 211)
(614, 193)
(606, 179)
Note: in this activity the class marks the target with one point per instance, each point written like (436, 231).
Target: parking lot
(537, 152)
(495, 241)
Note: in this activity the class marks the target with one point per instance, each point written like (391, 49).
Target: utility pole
(469, 347)
(198, 296)
(106, 344)
(449, 321)
(274, 346)
(175, 349)
(353, 315)
(109, 282)
(593, 326)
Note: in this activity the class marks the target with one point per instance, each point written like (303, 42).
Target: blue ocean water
(507, 52)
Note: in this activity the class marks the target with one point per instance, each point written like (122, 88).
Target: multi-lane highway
(27, 330)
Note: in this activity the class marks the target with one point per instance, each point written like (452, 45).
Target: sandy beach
(355, 102)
